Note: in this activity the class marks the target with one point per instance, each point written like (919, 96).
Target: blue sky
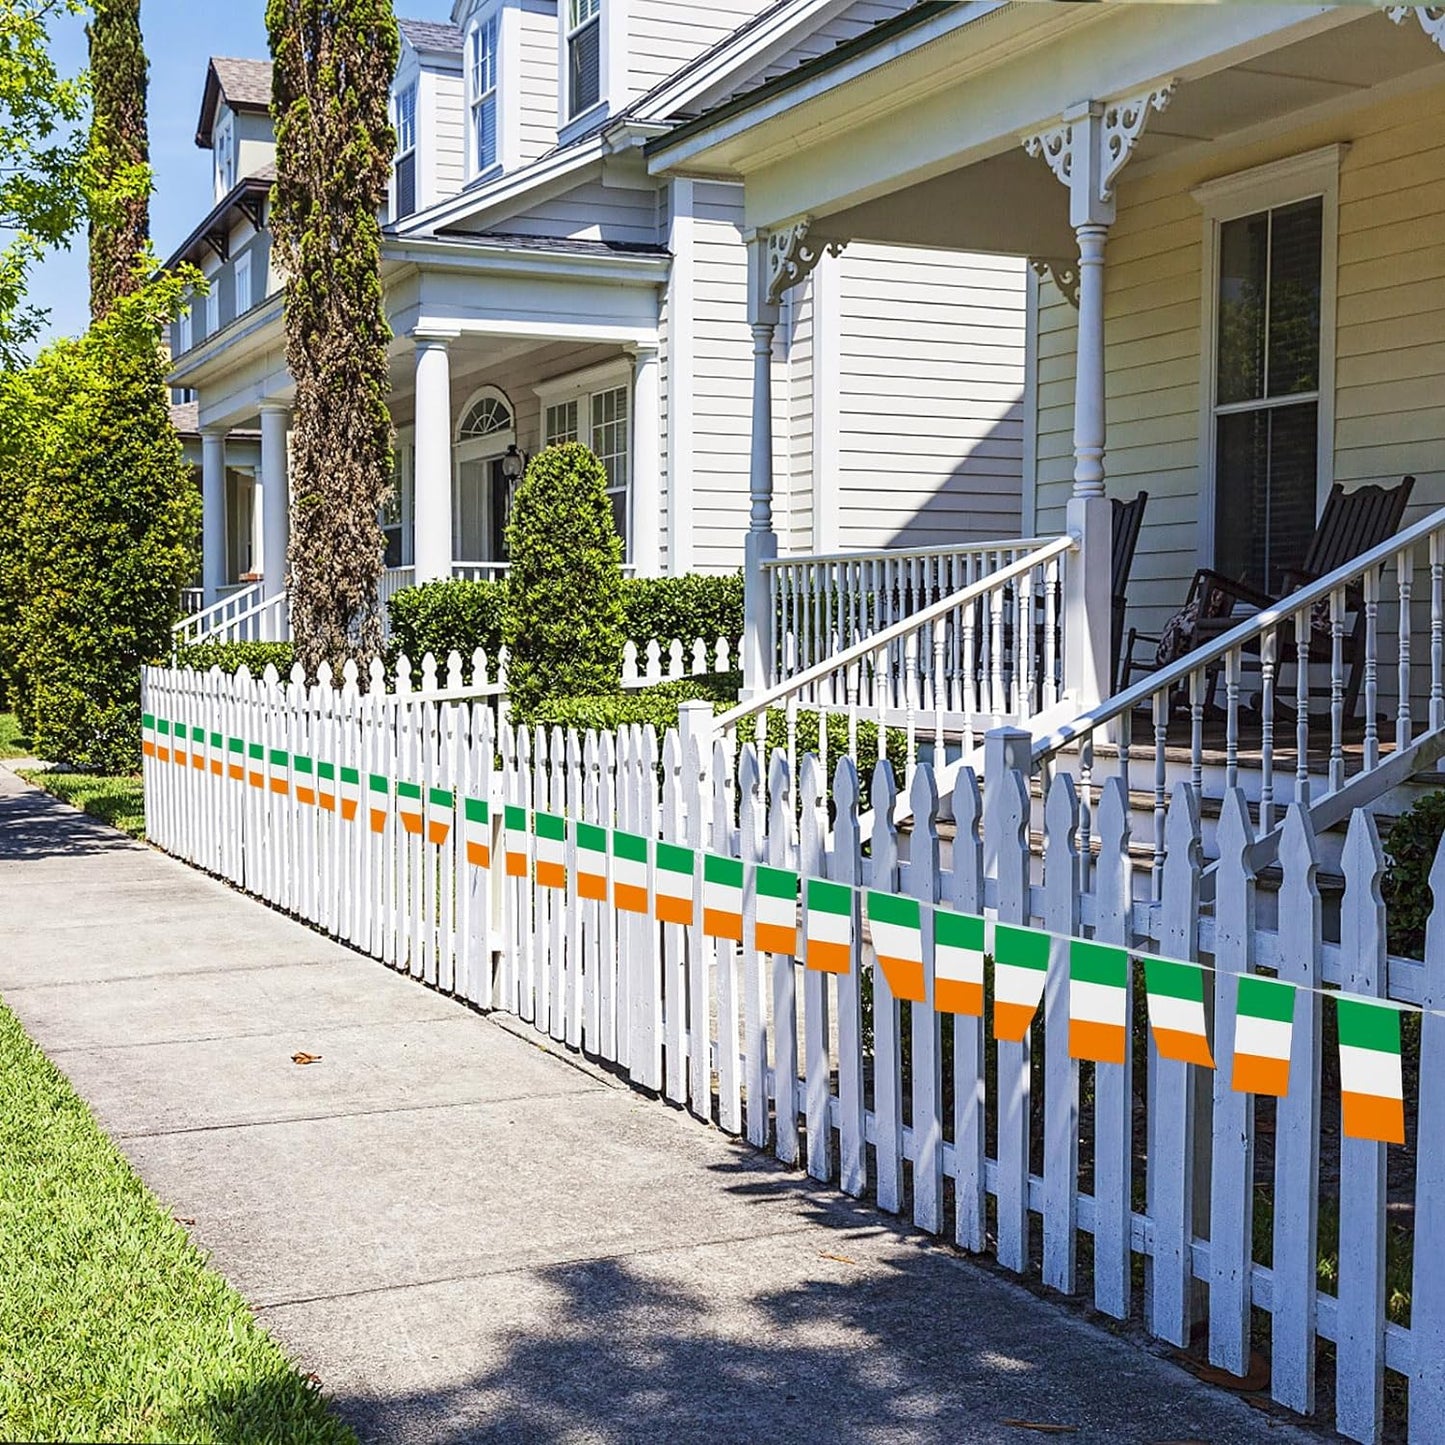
(180, 35)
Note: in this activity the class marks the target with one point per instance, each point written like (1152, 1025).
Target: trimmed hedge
(683, 607)
(1410, 848)
(230, 657)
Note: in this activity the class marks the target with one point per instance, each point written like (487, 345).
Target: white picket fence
(765, 1048)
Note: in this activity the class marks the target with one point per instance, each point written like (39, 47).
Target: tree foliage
(334, 62)
(119, 152)
(107, 530)
(563, 619)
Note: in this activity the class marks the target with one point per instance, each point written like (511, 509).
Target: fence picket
(847, 868)
(887, 1071)
(969, 1077)
(922, 882)
(782, 853)
(817, 1060)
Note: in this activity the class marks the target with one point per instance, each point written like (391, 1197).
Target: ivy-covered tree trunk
(334, 62)
(120, 153)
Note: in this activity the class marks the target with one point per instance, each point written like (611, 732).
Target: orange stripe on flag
(328, 802)
(1183, 1048)
(951, 996)
(348, 810)
(149, 749)
(592, 887)
(629, 897)
(378, 820)
(1011, 1021)
(673, 910)
(1256, 1075)
(1368, 1116)
(776, 938)
(436, 833)
(516, 865)
(551, 875)
(1103, 1043)
(278, 785)
(905, 977)
(479, 855)
(238, 773)
(215, 767)
(827, 957)
(718, 924)
(198, 762)
(306, 796)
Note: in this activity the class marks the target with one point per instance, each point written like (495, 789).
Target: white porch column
(213, 514)
(432, 484)
(761, 542)
(1086, 151)
(275, 498)
(646, 489)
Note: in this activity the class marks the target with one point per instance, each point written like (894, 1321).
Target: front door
(481, 514)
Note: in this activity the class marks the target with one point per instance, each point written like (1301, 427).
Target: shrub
(442, 617)
(683, 607)
(231, 656)
(1410, 851)
(108, 528)
(563, 620)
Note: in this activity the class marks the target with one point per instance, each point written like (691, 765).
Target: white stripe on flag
(1370, 1071)
(1262, 1038)
(1096, 1003)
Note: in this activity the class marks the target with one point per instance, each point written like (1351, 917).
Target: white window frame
(1266, 188)
(489, 17)
(243, 269)
(223, 140)
(213, 306)
(411, 89)
(611, 20)
(183, 330)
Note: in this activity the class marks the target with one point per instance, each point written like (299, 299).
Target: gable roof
(244, 85)
(431, 35)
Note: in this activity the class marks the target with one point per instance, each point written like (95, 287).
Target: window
(605, 427)
(488, 417)
(561, 423)
(243, 284)
(396, 510)
(183, 332)
(213, 307)
(225, 144)
(483, 89)
(405, 172)
(584, 55)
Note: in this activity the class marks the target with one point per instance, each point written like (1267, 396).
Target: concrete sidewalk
(468, 1237)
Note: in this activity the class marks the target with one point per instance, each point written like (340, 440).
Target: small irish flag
(178, 745)
(1020, 967)
(722, 897)
(1176, 1011)
(350, 793)
(163, 740)
(1263, 1032)
(256, 765)
(409, 805)
(378, 801)
(478, 818)
(440, 808)
(672, 884)
(897, 928)
(629, 872)
(957, 963)
(1098, 1002)
(326, 785)
(550, 832)
(514, 840)
(591, 862)
(830, 926)
(1372, 1092)
(305, 780)
(236, 760)
(148, 734)
(218, 749)
(777, 901)
(198, 748)
(279, 781)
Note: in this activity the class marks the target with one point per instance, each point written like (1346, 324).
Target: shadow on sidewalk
(35, 826)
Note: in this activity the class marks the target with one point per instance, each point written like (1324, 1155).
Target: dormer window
(405, 173)
(584, 55)
(482, 82)
(225, 144)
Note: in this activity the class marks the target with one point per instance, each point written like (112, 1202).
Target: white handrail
(903, 554)
(192, 627)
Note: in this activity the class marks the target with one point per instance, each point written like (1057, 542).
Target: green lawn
(117, 801)
(12, 742)
(113, 1328)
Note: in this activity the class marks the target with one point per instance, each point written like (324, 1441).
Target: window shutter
(585, 82)
(406, 185)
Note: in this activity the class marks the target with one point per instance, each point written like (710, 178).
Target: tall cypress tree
(120, 152)
(334, 62)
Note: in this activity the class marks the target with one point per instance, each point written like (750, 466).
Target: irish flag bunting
(776, 930)
(722, 897)
(179, 752)
(629, 872)
(1020, 967)
(897, 928)
(236, 760)
(305, 780)
(350, 793)
(957, 963)
(148, 734)
(440, 808)
(1098, 1002)
(478, 819)
(218, 749)
(163, 740)
(550, 831)
(326, 786)
(514, 840)
(591, 862)
(378, 801)
(198, 748)
(1175, 992)
(1372, 1091)
(409, 805)
(279, 761)
(1263, 1032)
(672, 883)
(830, 926)
(256, 765)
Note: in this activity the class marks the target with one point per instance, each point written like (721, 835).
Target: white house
(543, 284)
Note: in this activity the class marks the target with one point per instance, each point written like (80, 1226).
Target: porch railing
(212, 624)
(1247, 697)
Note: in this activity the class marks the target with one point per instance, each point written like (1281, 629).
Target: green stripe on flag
(303, 763)
(410, 791)
(327, 771)
(258, 753)
(198, 735)
(440, 798)
(148, 720)
(478, 811)
(278, 757)
(672, 859)
(514, 818)
(591, 838)
(890, 908)
(549, 826)
(1365, 1024)
(351, 775)
(1021, 947)
(236, 745)
(726, 872)
(217, 741)
(1266, 998)
(163, 726)
(1165, 978)
(378, 783)
(957, 930)
(777, 882)
(1098, 963)
(825, 897)
(630, 847)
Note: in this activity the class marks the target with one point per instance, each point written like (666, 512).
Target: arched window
(489, 414)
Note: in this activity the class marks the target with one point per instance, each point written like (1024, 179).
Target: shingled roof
(244, 85)
(431, 35)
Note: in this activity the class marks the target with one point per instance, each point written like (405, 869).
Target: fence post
(924, 1017)
(887, 1075)
(848, 868)
(968, 1049)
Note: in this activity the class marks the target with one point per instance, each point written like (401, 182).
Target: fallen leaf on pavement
(181, 1219)
(305, 1058)
(1041, 1427)
(1256, 1379)
(841, 1258)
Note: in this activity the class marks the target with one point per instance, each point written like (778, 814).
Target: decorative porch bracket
(1086, 151)
(1431, 18)
(792, 258)
(1064, 275)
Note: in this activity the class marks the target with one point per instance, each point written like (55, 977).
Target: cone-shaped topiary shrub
(563, 619)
